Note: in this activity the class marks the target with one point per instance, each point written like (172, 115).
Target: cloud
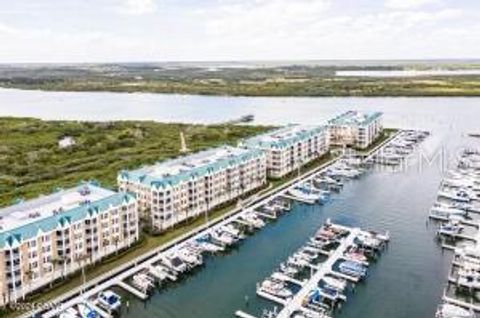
(409, 4)
(138, 7)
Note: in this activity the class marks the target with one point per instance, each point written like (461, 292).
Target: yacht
(204, 244)
(175, 263)
(469, 278)
(86, 312)
(353, 269)
(446, 210)
(232, 230)
(109, 300)
(222, 237)
(142, 281)
(253, 219)
(356, 255)
(453, 311)
(158, 272)
(305, 194)
(190, 257)
(275, 287)
(338, 284)
(452, 227)
(455, 195)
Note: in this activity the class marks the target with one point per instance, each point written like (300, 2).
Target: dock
(297, 302)
(132, 290)
(302, 200)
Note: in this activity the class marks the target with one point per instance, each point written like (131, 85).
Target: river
(406, 282)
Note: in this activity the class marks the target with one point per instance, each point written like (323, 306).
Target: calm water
(408, 279)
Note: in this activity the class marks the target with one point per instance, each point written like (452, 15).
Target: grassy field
(31, 162)
(287, 80)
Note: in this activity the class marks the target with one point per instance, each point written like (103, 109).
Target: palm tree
(80, 260)
(54, 261)
(28, 275)
(116, 240)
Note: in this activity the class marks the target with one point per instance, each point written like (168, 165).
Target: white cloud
(409, 4)
(138, 7)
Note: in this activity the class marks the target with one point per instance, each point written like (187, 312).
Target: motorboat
(452, 227)
(453, 311)
(356, 255)
(275, 287)
(86, 312)
(158, 272)
(232, 230)
(469, 278)
(109, 300)
(455, 195)
(142, 281)
(222, 237)
(353, 269)
(175, 263)
(253, 219)
(302, 193)
(446, 210)
(338, 284)
(190, 257)
(206, 245)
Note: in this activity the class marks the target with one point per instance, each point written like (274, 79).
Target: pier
(325, 268)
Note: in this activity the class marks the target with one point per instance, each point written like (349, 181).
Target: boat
(453, 311)
(142, 281)
(204, 244)
(446, 210)
(190, 257)
(455, 195)
(338, 284)
(109, 300)
(305, 194)
(158, 272)
(276, 287)
(69, 313)
(86, 312)
(452, 227)
(222, 237)
(289, 269)
(175, 263)
(469, 278)
(356, 255)
(232, 230)
(253, 219)
(353, 269)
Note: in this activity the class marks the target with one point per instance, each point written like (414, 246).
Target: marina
(183, 256)
(456, 211)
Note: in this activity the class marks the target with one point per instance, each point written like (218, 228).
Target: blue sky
(202, 30)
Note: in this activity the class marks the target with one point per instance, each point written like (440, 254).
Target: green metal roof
(30, 230)
(294, 134)
(355, 118)
(150, 179)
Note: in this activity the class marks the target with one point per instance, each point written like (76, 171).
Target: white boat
(190, 257)
(335, 283)
(453, 311)
(469, 278)
(455, 195)
(275, 287)
(158, 272)
(209, 246)
(175, 263)
(253, 219)
(69, 313)
(304, 194)
(109, 300)
(452, 227)
(445, 210)
(232, 230)
(222, 237)
(141, 281)
(86, 312)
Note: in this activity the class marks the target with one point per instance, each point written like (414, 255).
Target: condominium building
(355, 129)
(174, 190)
(290, 147)
(49, 237)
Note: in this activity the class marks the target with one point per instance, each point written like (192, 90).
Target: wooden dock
(132, 290)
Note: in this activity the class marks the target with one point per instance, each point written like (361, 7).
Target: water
(408, 279)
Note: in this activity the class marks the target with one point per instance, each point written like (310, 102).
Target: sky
(76, 31)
